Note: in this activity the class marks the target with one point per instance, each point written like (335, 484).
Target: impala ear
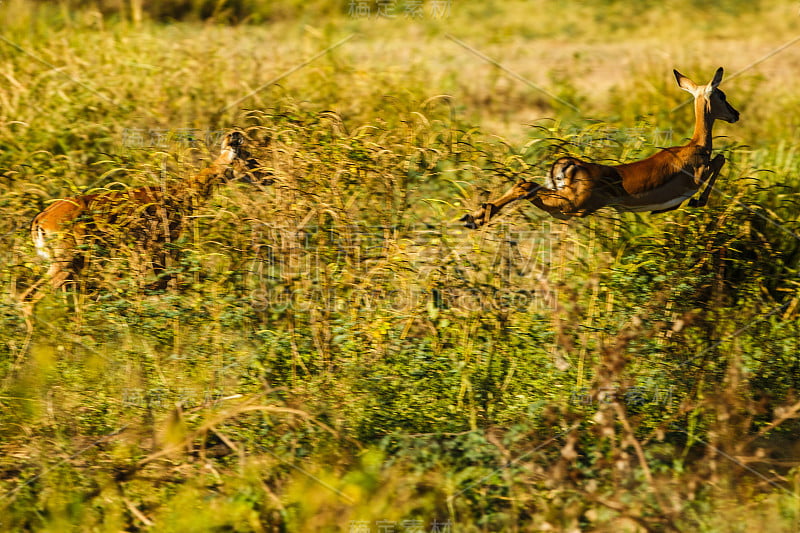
(717, 78)
(685, 83)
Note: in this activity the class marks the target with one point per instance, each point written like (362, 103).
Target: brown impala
(656, 184)
(147, 217)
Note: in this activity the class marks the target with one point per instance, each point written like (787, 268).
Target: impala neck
(703, 122)
(203, 183)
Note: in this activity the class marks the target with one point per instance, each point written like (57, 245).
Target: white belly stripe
(655, 207)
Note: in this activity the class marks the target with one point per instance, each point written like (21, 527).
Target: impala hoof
(468, 221)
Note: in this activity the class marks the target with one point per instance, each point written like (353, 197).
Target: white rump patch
(40, 241)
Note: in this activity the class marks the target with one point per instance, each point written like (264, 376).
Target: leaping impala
(657, 184)
(148, 217)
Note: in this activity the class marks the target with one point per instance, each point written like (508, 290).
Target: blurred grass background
(340, 353)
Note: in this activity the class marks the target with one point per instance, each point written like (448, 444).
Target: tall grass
(337, 351)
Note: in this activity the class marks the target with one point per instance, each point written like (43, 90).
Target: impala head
(242, 165)
(232, 146)
(713, 100)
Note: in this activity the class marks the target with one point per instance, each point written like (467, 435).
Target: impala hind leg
(523, 189)
(554, 209)
(709, 178)
(57, 275)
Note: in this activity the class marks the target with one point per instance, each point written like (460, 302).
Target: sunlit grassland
(336, 348)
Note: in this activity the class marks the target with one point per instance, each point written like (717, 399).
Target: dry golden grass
(338, 349)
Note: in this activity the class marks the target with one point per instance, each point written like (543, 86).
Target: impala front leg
(523, 189)
(710, 177)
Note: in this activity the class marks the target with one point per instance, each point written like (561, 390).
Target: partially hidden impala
(148, 216)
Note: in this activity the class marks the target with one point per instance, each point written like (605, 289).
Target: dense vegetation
(335, 352)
